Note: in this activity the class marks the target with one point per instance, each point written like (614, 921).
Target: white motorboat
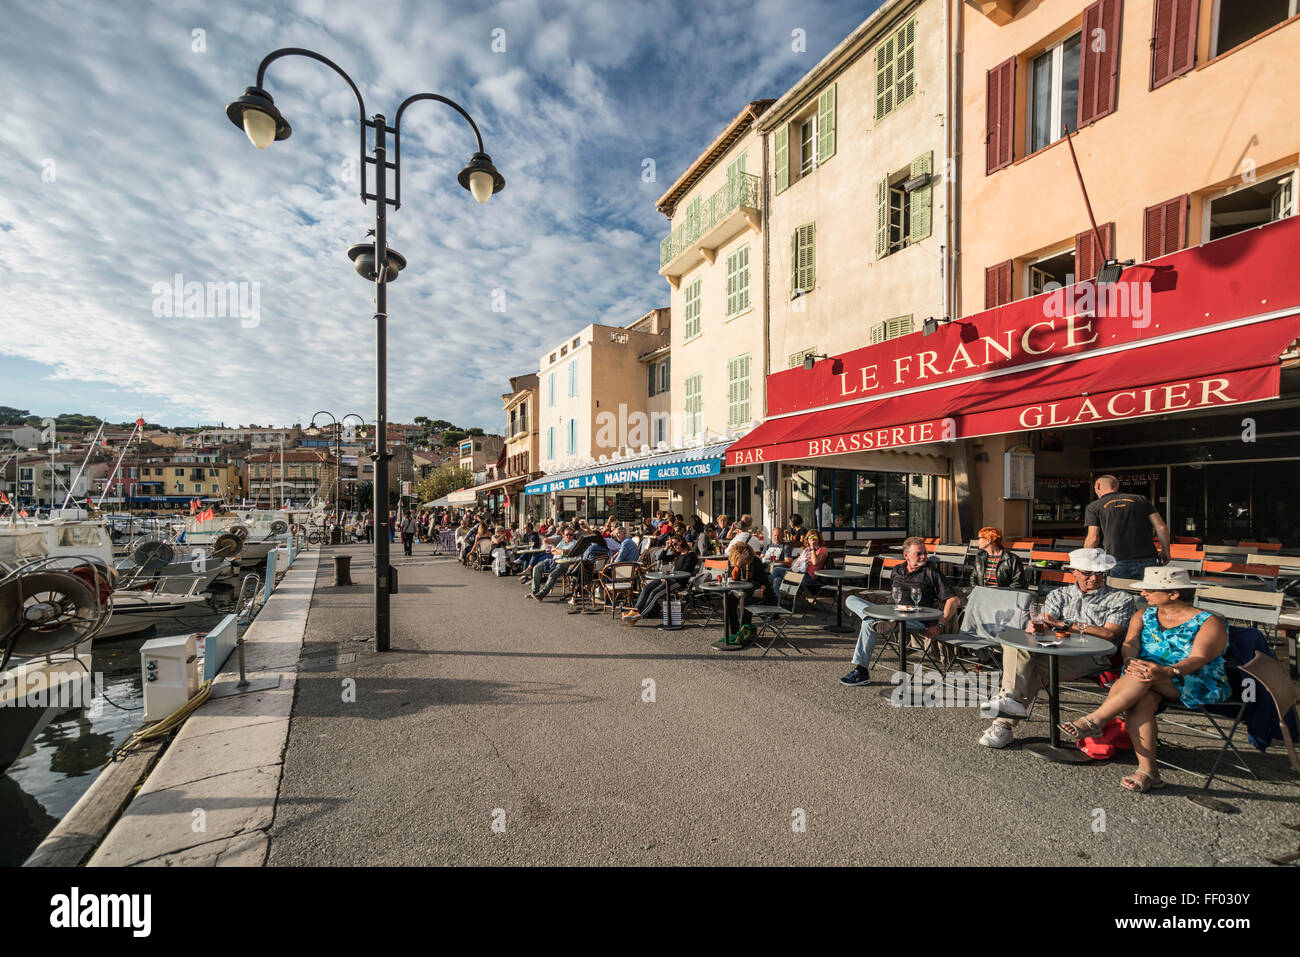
(134, 610)
(48, 620)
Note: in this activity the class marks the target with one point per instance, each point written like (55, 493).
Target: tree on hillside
(452, 436)
(11, 416)
(442, 480)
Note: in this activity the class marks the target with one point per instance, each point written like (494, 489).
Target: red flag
(140, 423)
(4, 499)
(208, 515)
(23, 513)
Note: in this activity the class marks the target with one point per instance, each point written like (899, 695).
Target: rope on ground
(167, 725)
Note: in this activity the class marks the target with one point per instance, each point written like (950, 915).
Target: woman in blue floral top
(1173, 652)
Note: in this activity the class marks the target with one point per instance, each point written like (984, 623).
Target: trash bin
(343, 569)
(336, 535)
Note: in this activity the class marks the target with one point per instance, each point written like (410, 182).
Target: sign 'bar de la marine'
(1199, 343)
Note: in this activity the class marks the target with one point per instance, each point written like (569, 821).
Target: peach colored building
(1185, 112)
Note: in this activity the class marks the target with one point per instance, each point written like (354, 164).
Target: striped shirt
(1105, 606)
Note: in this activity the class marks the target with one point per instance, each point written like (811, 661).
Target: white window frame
(1211, 198)
(1292, 9)
(808, 124)
(1029, 267)
(1057, 50)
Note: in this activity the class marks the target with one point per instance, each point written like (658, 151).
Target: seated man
(549, 571)
(623, 548)
(1087, 607)
(934, 592)
(778, 557)
(677, 557)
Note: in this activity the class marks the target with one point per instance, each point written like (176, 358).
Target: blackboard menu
(626, 507)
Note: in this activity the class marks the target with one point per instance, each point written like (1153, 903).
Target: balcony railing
(742, 191)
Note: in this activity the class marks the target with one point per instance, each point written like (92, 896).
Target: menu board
(1018, 475)
(626, 507)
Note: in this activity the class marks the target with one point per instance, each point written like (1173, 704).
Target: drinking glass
(1037, 625)
(897, 594)
(916, 596)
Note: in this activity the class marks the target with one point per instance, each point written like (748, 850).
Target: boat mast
(94, 443)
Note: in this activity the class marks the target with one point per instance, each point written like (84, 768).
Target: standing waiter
(1121, 523)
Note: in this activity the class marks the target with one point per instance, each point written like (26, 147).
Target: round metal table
(1074, 646)
(891, 613)
(839, 576)
(669, 579)
(722, 588)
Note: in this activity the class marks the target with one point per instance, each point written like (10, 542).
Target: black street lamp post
(256, 114)
(338, 463)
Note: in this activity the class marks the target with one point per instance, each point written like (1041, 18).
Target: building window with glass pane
(1053, 96)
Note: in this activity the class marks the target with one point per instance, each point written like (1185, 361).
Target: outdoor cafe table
(839, 576)
(669, 579)
(721, 588)
(891, 613)
(1074, 646)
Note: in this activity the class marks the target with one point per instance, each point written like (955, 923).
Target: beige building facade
(857, 200)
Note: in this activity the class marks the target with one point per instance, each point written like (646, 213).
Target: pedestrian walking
(409, 528)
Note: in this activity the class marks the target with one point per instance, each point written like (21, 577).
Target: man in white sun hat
(1088, 607)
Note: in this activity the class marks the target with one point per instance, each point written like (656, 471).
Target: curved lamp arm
(361, 103)
(397, 136)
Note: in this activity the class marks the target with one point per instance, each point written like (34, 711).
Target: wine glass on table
(896, 593)
(916, 596)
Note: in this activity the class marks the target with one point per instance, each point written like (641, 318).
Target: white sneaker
(1007, 706)
(998, 735)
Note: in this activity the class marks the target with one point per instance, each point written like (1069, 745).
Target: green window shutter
(742, 279)
(826, 124)
(921, 200)
(808, 257)
(650, 386)
(882, 218)
(906, 68)
(884, 78)
(782, 160)
(794, 261)
(742, 412)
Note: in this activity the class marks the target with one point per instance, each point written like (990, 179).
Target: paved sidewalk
(211, 798)
(495, 709)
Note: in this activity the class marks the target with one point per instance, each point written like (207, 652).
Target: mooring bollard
(342, 569)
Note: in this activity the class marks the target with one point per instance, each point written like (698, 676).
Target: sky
(121, 178)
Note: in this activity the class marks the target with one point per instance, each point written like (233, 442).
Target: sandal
(1080, 728)
(1148, 781)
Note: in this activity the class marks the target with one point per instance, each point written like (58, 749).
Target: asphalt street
(501, 731)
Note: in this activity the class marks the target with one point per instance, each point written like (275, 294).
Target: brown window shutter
(1164, 228)
(1173, 40)
(1000, 104)
(997, 285)
(1086, 258)
(1099, 68)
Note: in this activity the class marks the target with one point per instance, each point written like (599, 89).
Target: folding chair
(1041, 560)
(958, 556)
(713, 570)
(620, 581)
(790, 586)
(1050, 578)
(988, 611)
(1186, 556)
(1267, 674)
(772, 620)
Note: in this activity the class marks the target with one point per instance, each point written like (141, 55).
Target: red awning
(1196, 371)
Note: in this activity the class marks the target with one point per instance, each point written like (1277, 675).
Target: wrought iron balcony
(720, 217)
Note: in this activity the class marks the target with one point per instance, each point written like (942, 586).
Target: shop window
(1235, 23)
(731, 497)
(850, 501)
(1053, 96)
(1270, 199)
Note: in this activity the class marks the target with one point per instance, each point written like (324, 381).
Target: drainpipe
(770, 516)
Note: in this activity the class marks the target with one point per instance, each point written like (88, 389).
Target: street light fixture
(338, 458)
(256, 114)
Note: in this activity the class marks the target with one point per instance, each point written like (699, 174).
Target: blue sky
(119, 172)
